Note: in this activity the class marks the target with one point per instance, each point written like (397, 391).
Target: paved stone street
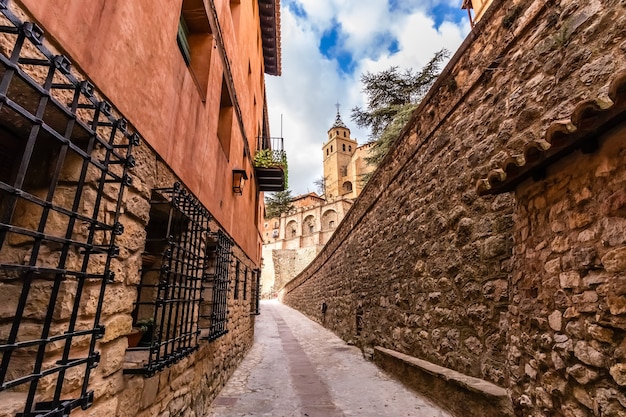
(297, 368)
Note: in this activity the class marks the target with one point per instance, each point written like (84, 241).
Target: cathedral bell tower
(337, 154)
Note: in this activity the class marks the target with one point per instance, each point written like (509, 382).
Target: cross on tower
(337, 105)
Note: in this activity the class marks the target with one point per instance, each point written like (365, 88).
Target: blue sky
(327, 45)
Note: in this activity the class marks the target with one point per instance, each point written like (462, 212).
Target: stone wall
(567, 344)
(282, 265)
(421, 264)
(184, 389)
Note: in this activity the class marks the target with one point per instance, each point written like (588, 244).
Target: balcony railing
(270, 165)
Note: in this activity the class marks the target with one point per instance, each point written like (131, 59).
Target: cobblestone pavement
(297, 368)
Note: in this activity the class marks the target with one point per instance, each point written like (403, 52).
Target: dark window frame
(178, 236)
(95, 140)
(237, 269)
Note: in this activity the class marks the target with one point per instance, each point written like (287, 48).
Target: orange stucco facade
(129, 50)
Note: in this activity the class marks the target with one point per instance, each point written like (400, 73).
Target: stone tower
(337, 154)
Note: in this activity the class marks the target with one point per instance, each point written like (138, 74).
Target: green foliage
(392, 97)
(278, 203)
(145, 325)
(268, 158)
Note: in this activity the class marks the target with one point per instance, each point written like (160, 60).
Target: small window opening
(225, 124)
(245, 283)
(195, 42)
(237, 267)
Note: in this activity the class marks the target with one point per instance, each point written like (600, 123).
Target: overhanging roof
(269, 13)
(587, 122)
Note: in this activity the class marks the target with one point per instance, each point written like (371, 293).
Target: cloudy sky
(327, 45)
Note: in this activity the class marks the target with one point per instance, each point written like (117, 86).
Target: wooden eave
(269, 15)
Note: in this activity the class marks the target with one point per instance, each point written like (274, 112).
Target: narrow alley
(297, 368)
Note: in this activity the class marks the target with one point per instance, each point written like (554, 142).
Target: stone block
(618, 372)
(553, 266)
(183, 380)
(108, 386)
(582, 374)
(570, 279)
(600, 333)
(585, 297)
(106, 408)
(130, 398)
(117, 326)
(112, 355)
(119, 299)
(588, 355)
(555, 320)
(494, 246)
(615, 260)
(613, 231)
(560, 244)
(150, 391)
(617, 304)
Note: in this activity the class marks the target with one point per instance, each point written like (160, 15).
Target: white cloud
(311, 83)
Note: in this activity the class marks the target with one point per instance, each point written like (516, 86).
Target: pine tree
(278, 203)
(392, 96)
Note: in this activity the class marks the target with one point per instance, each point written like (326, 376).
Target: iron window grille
(245, 283)
(215, 311)
(173, 269)
(256, 292)
(237, 268)
(64, 156)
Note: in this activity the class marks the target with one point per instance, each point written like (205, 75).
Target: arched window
(308, 225)
(291, 229)
(344, 134)
(329, 219)
(347, 186)
(326, 151)
(331, 148)
(344, 147)
(350, 148)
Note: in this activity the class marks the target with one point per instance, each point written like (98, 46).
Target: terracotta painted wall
(128, 49)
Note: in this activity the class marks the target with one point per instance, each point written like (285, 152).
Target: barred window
(256, 292)
(64, 156)
(215, 311)
(245, 283)
(237, 266)
(173, 269)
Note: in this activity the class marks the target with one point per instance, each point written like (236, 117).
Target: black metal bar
(80, 136)
(176, 305)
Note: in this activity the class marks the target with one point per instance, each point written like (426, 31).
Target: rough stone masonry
(424, 266)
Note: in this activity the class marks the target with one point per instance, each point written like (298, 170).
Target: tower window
(344, 134)
(331, 148)
(343, 147)
(327, 152)
(350, 148)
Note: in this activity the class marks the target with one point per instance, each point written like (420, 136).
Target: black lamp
(239, 179)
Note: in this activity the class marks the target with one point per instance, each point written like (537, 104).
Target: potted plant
(271, 163)
(142, 330)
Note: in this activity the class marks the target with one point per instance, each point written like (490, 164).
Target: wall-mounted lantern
(239, 179)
